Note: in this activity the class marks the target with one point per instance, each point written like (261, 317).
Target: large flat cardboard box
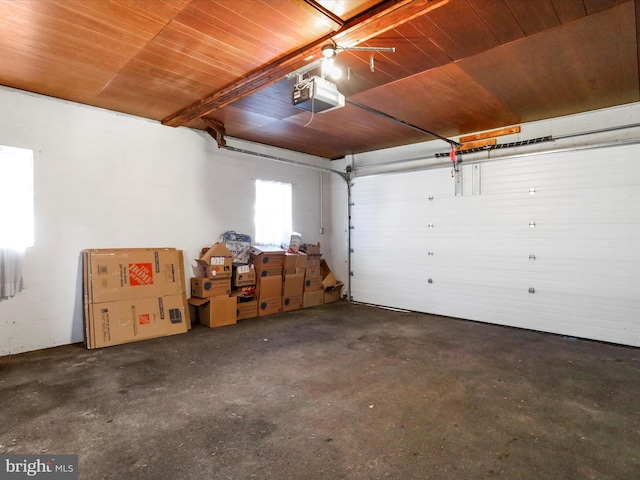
(312, 299)
(132, 273)
(129, 293)
(216, 261)
(268, 260)
(204, 287)
(215, 311)
(115, 323)
(244, 275)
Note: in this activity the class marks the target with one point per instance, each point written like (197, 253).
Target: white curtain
(11, 263)
(273, 213)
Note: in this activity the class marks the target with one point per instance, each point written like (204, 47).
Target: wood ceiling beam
(370, 23)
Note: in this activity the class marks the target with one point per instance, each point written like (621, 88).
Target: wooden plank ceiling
(459, 66)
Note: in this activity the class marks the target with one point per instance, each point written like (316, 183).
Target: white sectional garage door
(548, 242)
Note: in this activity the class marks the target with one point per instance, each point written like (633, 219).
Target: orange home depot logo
(140, 274)
(144, 319)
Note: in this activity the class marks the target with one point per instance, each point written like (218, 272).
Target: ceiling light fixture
(329, 51)
(331, 69)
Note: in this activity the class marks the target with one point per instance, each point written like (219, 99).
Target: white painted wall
(106, 180)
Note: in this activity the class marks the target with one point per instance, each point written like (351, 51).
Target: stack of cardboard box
(295, 266)
(211, 292)
(243, 289)
(313, 290)
(133, 294)
(269, 263)
(274, 281)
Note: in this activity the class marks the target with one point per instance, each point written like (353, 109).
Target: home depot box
(118, 322)
(244, 275)
(246, 305)
(333, 294)
(131, 273)
(215, 311)
(216, 261)
(294, 262)
(269, 295)
(268, 260)
(292, 289)
(205, 287)
(311, 299)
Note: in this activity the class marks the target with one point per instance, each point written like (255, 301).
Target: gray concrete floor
(334, 392)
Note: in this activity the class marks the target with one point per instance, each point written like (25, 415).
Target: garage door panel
(548, 242)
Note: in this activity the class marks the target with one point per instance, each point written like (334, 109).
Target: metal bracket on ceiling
(216, 130)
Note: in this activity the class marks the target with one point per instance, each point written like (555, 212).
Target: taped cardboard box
(125, 321)
(216, 261)
(268, 260)
(130, 273)
(333, 293)
(294, 262)
(246, 305)
(215, 312)
(313, 284)
(312, 299)
(269, 306)
(313, 266)
(292, 289)
(310, 249)
(270, 287)
(292, 303)
(246, 310)
(204, 287)
(244, 275)
(269, 295)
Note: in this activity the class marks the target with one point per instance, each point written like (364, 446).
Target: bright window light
(16, 198)
(273, 213)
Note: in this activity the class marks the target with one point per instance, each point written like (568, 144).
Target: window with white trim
(273, 213)
(16, 198)
(16, 216)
